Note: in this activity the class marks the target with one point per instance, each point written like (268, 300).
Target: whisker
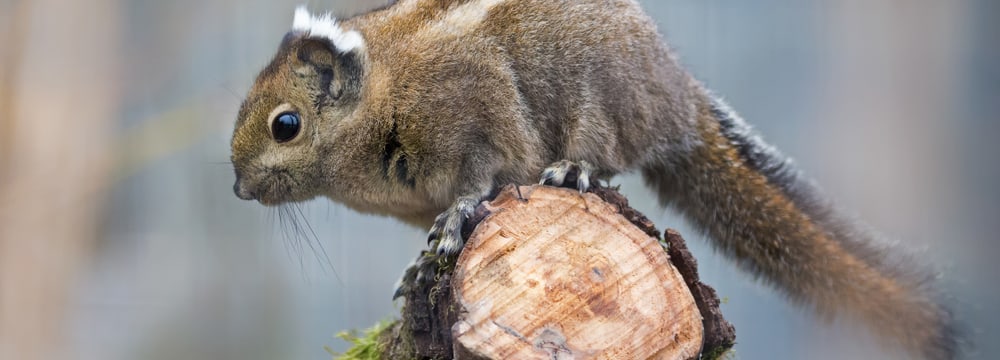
(280, 213)
(295, 238)
(298, 233)
(320, 255)
(223, 84)
(231, 91)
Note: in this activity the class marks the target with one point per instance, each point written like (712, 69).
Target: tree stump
(549, 273)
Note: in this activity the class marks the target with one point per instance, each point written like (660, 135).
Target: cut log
(549, 273)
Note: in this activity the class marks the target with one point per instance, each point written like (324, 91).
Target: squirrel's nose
(242, 192)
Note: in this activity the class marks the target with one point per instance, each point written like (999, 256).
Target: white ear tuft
(326, 26)
(302, 20)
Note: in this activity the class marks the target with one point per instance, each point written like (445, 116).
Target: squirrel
(422, 108)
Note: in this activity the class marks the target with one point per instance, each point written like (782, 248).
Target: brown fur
(796, 248)
(438, 107)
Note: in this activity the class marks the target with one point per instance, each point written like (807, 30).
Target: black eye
(285, 126)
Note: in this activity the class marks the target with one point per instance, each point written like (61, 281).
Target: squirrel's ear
(314, 56)
(336, 74)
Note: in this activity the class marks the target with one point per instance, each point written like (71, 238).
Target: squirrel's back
(582, 80)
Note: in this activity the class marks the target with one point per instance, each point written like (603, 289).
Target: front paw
(444, 242)
(445, 237)
(565, 173)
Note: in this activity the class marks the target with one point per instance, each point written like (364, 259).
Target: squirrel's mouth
(267, 202)
(274, 190)
(266, 198)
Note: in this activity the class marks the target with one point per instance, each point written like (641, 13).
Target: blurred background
(120, 237)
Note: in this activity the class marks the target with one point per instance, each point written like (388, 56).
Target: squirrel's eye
(285, 126)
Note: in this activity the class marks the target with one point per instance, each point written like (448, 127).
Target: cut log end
(549, 273)
(563, 274)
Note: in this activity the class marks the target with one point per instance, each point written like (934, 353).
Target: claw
(406, 281)
(557, 174)
(398, 292)
(400, 289)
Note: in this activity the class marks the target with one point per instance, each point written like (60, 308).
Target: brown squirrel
(422, 108)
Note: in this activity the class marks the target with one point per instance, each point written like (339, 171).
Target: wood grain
(554, 274)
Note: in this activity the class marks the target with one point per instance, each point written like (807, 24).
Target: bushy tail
(761, 212)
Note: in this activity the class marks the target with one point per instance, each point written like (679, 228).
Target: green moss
(720, 353)
(365, 346)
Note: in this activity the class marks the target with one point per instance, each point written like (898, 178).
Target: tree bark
(549, 273)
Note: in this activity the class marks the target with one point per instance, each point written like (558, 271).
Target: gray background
(891, 105)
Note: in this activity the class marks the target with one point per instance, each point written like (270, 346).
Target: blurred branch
(15, 18)
(60, 100)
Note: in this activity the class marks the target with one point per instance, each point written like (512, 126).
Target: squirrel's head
(293, 109)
